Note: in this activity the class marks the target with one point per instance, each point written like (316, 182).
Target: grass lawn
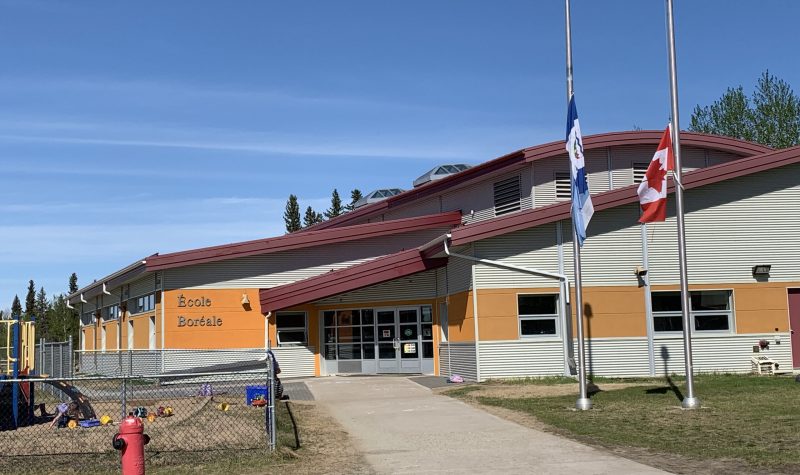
(755, 420)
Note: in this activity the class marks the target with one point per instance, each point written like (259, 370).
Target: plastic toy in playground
(140, 412)
(106, 420)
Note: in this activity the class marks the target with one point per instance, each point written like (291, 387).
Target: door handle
(396, 343)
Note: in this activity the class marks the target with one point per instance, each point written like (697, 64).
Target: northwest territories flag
(582, 209)
(653, 189)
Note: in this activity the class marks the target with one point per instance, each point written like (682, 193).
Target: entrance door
(398, 340)
(794, 323)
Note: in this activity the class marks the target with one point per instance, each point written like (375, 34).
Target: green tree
(73, 283)
(771, 116)
(41, 306)
(355, 195)
(63, 321)
(311, 217)
(30, 300)
(16, 308)
(292, 215)
(336, 206)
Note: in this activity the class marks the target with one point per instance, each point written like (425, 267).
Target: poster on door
(387, 333)
(410, 348)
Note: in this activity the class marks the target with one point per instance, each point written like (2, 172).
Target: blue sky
(148, 126)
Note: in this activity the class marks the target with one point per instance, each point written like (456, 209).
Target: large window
(143, 303)
(111, 313)
(291, 328)
(711, 311)
(353, 330)
(538, 315)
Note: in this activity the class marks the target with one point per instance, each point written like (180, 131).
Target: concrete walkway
(402, 427)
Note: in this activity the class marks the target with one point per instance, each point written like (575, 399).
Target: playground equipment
(17, 398)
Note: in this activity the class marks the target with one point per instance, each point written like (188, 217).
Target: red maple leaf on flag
(655, 175)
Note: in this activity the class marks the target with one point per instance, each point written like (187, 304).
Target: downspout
(563, 281)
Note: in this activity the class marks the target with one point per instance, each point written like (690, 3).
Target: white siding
(421, 208)
(747, 221)
(597, 170)
(459, 272)
(728, 354)
(616, 356)
(532, 248)
(521, 358)
(544, 175)
(622, 160)
(269, 270)
(414, 287)
(458, 358)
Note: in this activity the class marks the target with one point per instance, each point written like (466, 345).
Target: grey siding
(421, 208)
(544, 173)
(617, 356)
(145, 285)
(458, 358)
(417, 286)
(521, 358)
(270, 270)
(459, 272)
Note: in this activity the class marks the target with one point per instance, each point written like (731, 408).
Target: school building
(470, 272)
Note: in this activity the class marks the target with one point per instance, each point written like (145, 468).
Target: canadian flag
(653, 189)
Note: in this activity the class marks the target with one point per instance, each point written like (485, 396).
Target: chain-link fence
(182, 412)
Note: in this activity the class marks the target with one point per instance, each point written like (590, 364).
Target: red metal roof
(610, 199)
(552, 149)
(376, 271)
(302, 240)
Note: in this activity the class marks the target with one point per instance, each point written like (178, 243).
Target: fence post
(271, 422)
(41, 356)
(70, 364)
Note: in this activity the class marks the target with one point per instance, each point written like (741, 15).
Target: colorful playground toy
(151, 417)
(105, 420)
(224, 406)
(72, 424)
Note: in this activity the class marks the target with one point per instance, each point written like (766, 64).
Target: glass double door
(398, 340)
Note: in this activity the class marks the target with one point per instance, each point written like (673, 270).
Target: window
(639, 169)
(507, 196)
(563, 186)
(538, 315)
(87, 317)
(291, 328)
(711, 311)
(143, 303)
(111, 313)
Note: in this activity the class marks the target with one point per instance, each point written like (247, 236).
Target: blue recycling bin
(255, 392)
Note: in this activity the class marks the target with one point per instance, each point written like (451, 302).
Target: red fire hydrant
(131, 441)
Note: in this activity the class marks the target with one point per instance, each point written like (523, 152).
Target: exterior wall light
(761, 270)
(245, 299)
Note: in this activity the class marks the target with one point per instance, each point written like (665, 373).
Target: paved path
(402, 427)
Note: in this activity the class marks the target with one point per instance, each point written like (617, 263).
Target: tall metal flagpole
(690, 401)
(583, 403)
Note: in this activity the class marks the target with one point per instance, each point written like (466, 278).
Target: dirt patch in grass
(747, 424)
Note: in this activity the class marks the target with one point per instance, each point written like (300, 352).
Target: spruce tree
(40, 311)
(355, 195)
(336, 206)
(311, 217)
(292, 215)
(16, 308)
(73, 283)
(30, 300)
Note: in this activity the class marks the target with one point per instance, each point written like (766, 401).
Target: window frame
(731, 314)
(146, 297)
(304, 329)
(556, 317)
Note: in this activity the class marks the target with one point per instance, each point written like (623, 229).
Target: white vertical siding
(413, 287)
(458, 358)
(521, 358)
(459, 271)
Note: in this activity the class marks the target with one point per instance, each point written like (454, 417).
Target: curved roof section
(301, 240)
(552, 149)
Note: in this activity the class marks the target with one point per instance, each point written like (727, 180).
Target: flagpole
(583, 403)
(690, 401)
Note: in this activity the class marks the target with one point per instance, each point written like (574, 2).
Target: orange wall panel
(212, 319)
(459, 317)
